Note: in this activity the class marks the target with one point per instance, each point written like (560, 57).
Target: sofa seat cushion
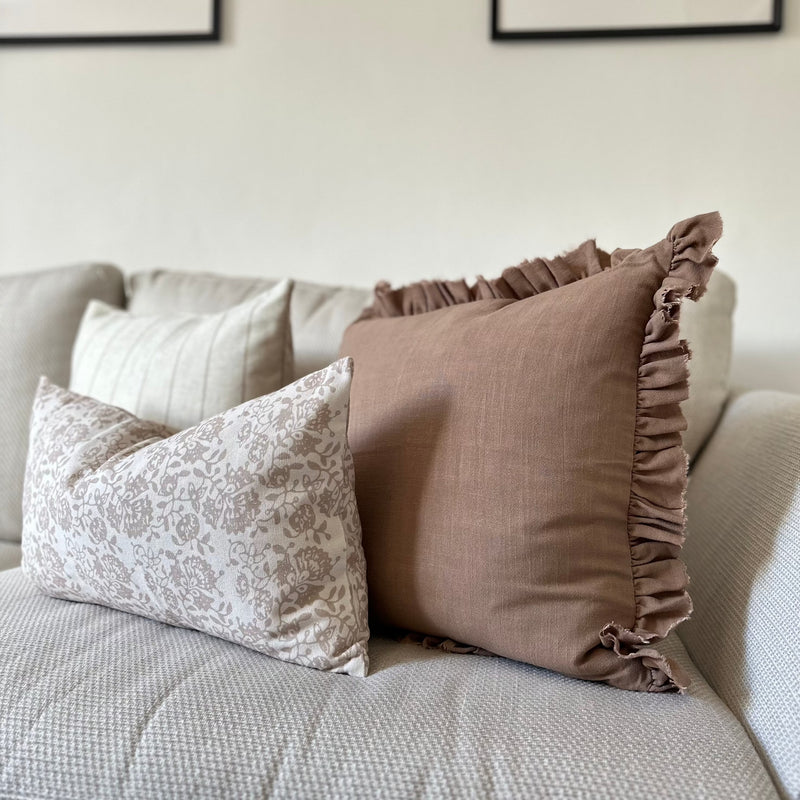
(10, 555)
(102, 704)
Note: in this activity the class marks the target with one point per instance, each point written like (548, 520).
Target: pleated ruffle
(657, 508)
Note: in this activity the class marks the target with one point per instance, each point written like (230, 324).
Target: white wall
(358, 140)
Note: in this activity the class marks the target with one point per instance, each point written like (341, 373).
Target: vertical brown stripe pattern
(177, 369)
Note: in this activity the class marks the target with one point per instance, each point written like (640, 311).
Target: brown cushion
(519, 467)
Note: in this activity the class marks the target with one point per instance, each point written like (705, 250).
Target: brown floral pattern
(244, 527)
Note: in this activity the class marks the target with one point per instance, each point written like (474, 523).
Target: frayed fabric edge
(657, 507)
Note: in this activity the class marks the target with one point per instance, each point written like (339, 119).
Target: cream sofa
(96, 703)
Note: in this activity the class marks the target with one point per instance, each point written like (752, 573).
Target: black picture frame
(214, 34)
(499, 35)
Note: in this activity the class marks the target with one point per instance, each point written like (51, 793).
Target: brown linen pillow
(519, 467)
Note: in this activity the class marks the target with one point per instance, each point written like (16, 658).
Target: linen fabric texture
(244, 527)
(177, 714)
(39, 316)
(520, 473)
(177, 368)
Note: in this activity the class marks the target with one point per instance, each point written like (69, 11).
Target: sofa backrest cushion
(39, 317)
(319, 313)
(519, 467)
(179, 368)
(10, 555)
(708, 327)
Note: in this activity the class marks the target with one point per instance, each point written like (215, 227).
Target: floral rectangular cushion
(244, 527)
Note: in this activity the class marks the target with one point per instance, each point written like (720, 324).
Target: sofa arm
(743, 555)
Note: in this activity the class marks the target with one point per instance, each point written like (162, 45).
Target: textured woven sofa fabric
(99, 704)
(519, 467)
(178, 368)
(39, 317)
(743, 552)
(244, 527)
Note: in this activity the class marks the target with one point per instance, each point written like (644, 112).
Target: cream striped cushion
(179, 369)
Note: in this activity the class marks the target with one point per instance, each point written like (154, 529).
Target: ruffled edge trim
(666, 675)
(657, 506)
(515, 283)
